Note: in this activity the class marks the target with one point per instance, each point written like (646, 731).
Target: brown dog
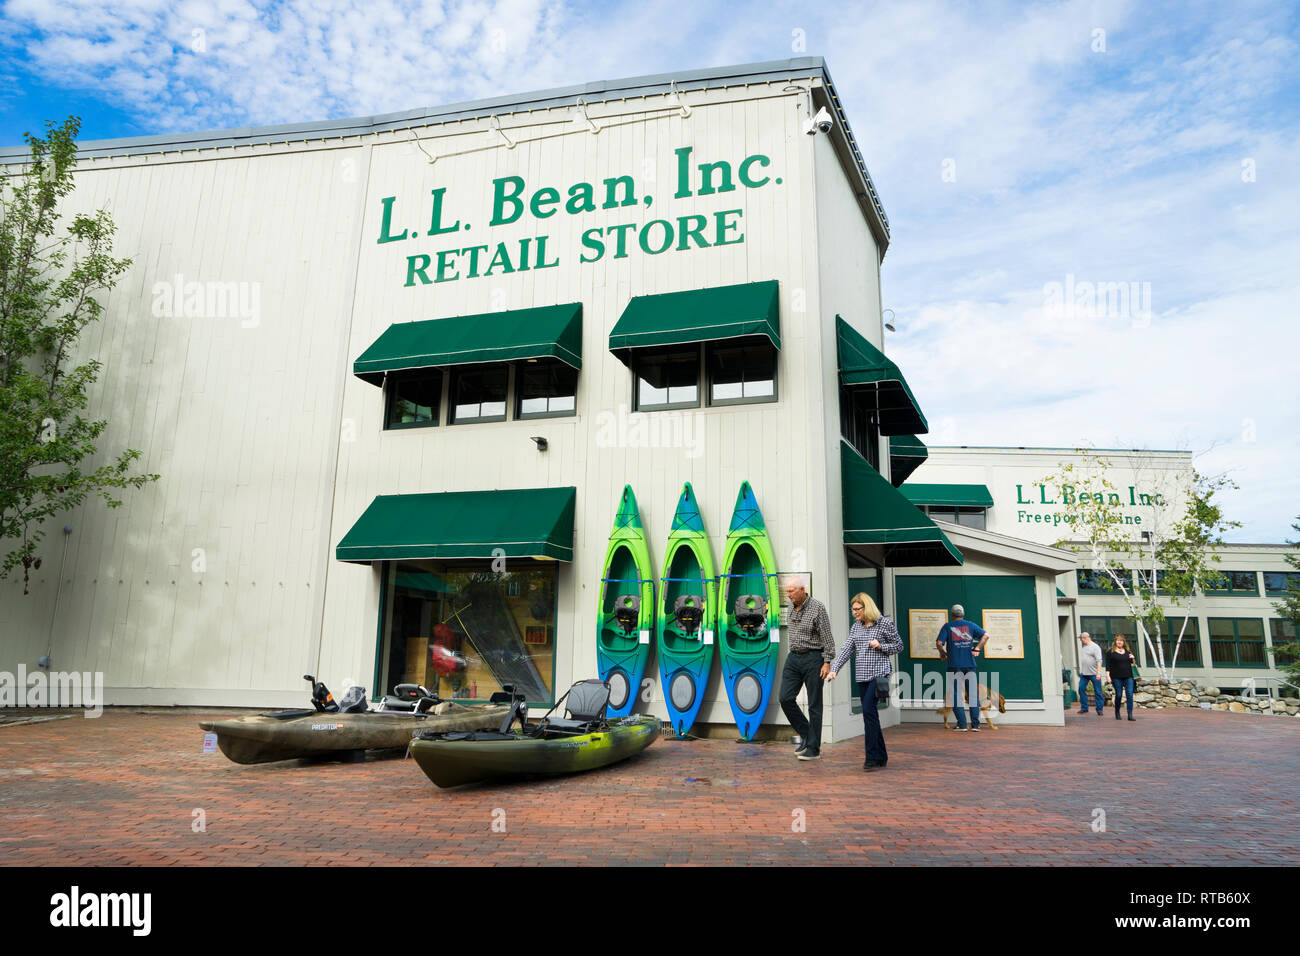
(986, 706)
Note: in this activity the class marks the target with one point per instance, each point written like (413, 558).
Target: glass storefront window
(478, 393)
(741, 373)
(669, 379)
(859, 424)
(1232, 582)
(463, 630)
(546, 388)
(1237, 641)
(1283, 633)
(1276, 583)
(1093, 581)
(414, 399)
(1189, 651)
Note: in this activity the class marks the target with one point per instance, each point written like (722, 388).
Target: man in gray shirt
(812, 648)
(1089, 670)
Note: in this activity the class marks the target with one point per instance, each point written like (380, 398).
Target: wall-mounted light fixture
(541, 442)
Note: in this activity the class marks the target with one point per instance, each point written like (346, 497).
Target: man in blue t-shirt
(957, 643)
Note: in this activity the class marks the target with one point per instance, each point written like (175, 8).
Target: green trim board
(698, 315)
(514, 523)
(949, 496)
(906, 454)
(876, 514)
(1018, 678)
(862, 365)
(552, 331)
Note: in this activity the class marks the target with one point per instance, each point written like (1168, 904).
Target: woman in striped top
(873, 638)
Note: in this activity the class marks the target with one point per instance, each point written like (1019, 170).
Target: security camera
(821, 123)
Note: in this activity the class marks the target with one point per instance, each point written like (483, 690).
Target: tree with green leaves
(1174, 551)
(51, 272)
(1289, 608)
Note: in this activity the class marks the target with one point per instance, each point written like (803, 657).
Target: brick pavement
(1184, 787)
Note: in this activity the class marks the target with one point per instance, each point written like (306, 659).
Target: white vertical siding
(235, 420)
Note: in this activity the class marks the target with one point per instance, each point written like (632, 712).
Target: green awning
(863, 366)
(521, 522)
(876, 514)
(698, 315)
(552, 331)
(949, 496)
(906, 454)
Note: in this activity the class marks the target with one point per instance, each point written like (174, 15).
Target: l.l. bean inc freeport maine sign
(1041, 496)
(512, 200)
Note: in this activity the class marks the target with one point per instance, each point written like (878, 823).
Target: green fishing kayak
(450, 760)
(688, 612)
(627, 608)
(749, 615)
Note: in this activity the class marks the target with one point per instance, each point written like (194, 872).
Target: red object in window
(445, 662)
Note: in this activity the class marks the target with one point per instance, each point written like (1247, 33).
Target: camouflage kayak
(287, 734)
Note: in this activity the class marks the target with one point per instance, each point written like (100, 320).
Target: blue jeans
(1123, 685)
(958, 678)
(874, 739)
(1096, 689)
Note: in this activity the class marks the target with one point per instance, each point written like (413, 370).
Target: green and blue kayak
(749, 614)
(627, 608)
(688, 611)
(450, 760)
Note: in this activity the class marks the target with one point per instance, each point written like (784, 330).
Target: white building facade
(1232, 630)
(395, 373)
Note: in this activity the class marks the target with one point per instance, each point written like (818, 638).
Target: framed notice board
(1006, 632)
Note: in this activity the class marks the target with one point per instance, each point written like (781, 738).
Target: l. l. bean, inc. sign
(512, 200)
(1040, 496)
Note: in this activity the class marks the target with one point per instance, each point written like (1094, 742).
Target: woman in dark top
(1119, 669)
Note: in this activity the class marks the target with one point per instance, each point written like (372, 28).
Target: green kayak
(450, 760)
(627, 608)
(688, 610)
(749, 623)
(583, 739)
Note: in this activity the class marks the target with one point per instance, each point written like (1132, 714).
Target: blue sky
(1017, 148)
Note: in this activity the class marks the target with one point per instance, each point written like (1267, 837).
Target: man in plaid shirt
(812, 648)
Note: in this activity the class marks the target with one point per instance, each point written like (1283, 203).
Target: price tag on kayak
(776, 635)
(209, 743)
(645, 637)
(708, 638)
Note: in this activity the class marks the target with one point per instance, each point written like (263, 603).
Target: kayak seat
(587, 700)
(751, 613)
(518, 706)
(354, 700)
(288, 714)
(396, 703)
(627, 611)
(688, 611)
